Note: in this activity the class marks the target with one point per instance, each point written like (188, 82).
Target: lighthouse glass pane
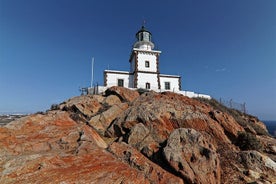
(121, 82)
(167, 85)
(141, 37)
(146, 36)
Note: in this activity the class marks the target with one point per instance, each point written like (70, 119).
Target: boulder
(140, 138)
(255, 163)
(151, 171)
(269, 145)
(55, 131)
(126, 95)
(162, 113)
(111, 100)
(254, 160)
(256, 123)
(102, 121)
(191, 154)
(229, 124)
(87, 105)
(98, 98)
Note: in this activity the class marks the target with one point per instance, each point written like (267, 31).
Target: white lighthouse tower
(144, 68)
(144, 62)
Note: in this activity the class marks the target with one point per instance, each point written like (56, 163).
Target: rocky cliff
(127, 137)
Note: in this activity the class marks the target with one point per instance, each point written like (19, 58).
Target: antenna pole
(92, 72)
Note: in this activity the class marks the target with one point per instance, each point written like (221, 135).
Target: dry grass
(239, 116)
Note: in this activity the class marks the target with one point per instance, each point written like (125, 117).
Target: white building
(144, 71)
(144, 68)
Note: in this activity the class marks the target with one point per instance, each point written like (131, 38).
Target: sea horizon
(271, 126)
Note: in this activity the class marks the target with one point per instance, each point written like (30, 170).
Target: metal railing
(233, 105)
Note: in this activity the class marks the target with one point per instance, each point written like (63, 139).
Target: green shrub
(248, 141)
(141, 91)
(54, 107)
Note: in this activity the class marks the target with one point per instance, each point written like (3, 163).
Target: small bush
(54, 107)
(141, 91)
(248, 141)
(40, 112)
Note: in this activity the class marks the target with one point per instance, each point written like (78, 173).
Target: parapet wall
(192, 94)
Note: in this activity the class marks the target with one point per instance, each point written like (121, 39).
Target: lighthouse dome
(144, 37)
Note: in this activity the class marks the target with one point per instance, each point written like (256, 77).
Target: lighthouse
(144, 68)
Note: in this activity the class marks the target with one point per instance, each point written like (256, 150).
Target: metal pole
(92, 72)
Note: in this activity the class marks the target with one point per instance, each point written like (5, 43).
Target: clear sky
(226, 49)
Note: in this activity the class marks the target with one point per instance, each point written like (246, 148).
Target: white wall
(174, 83)
(192, 94)
(143, 78)
(145, 56)
(112, 79)
(145, 47)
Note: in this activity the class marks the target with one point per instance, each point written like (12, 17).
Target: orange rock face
(227, 122)
(124, 137)
(126, 95)
(150, 170)
(98, 166)
(162, 113)
(52, 148)
(86, 105)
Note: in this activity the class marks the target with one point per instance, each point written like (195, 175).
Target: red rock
(52, 148)
(228, 123)
(102, 121)
(126, 95)
(87, 105)
(98, 166)
(255, 121)
(60, 146)
(162, 113)
(153, 172)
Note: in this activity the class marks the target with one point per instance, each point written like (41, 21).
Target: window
(147, 64)
(167, 85)
(147, 85)
(121, 82)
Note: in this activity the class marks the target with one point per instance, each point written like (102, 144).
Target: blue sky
(223, 48)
